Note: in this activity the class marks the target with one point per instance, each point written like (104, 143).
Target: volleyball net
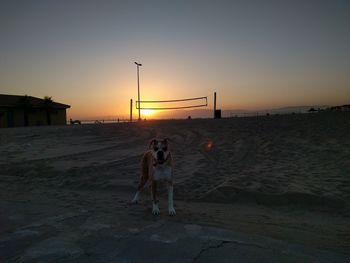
(172, 104)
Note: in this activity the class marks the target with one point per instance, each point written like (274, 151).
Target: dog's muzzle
(160, 158)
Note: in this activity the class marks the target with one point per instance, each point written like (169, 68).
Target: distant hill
(208, 113)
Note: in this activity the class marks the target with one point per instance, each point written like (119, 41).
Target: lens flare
(209, 145)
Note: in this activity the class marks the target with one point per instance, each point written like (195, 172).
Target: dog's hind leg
(140, 187)
(136, 198)
(143, 178)
(155, 208)
(171, 208)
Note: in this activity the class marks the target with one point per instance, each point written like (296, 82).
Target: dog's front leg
(171, 208)
(155, 208)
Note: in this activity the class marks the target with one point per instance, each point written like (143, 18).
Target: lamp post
(138, 86)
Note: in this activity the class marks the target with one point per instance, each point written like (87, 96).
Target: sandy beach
(259, 189)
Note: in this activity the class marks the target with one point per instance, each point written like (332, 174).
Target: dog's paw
(136, 198)
(172, 211)
(155, 210)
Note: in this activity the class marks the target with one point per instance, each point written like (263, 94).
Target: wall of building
(3, 122)
(59, 117)
(18, 118)
(35, 117)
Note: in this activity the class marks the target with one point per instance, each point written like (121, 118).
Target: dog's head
(160, 150)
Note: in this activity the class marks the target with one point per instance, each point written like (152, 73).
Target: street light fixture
(138, 86)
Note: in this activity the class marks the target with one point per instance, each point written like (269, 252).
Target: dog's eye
(165, 149)
(155, 148)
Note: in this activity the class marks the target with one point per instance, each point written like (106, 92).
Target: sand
(257, 189)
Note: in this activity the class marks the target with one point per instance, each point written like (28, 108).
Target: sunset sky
(254, 54)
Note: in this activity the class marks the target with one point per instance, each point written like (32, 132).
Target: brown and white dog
(157, 166)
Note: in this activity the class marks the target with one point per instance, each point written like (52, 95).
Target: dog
(156, 167)
(75, 122)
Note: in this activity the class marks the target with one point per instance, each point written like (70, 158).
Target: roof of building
(16, 101)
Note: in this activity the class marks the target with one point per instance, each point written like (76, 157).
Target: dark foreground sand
(266, 189)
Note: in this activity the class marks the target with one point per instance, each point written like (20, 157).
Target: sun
(147, 112)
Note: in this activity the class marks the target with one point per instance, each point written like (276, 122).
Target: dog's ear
(152, 142)
(166, 140)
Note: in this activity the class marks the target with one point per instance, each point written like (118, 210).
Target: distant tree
(49, 108)
(25, 105)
